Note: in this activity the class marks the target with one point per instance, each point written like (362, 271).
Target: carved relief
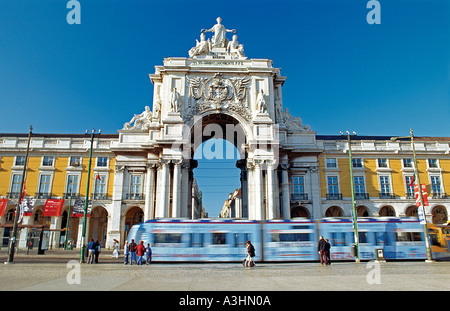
(219, 93)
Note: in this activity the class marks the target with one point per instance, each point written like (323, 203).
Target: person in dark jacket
(327, 252)
(91, 249)
(132, 248)
(321, 248)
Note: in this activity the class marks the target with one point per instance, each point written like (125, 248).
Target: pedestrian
(91, 249)
(132, 248)
(320, 249)
(98, 250)
(126, 253)
(140, 252)
(248, 262)
(115, 253)
(148, 254)
(327, 252)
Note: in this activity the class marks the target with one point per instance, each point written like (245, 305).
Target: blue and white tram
(290, 240)
(400, 238)
(198, 240)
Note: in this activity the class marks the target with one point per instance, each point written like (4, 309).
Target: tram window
(362, 237)
(338, 239)
(240, 239)
(408, 236)
(381, 238)
(164, 238)
(196, 240)
(219, 238)
(290, 237)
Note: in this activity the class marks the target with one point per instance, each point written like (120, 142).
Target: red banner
(424, 195)
(3, 203)
(53, 207)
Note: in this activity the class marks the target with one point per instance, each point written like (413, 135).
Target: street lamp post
(86, 201)
(417, 178)
(355, 216)
(12, 241)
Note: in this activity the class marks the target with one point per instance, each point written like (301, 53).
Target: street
(60, 271)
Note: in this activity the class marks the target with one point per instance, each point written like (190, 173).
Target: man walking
(321, 249)
(132, 248)
(91, 249)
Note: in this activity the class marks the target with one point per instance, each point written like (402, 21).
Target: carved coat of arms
(219, 93)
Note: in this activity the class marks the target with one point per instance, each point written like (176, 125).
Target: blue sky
(342, 73)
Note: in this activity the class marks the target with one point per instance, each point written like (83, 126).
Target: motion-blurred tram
(223, 240)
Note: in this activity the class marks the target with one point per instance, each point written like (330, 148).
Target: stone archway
(387, 211)
(362, 211)
(411, 211)
(334, 211)
(439, 215)
(133, 216)
(300, 211)
(98, 224)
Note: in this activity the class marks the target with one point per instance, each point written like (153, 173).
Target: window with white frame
(75, 161)
(16, 183)
(435, 185)
(409, 187)
(72, 185)
(102, 162)
(360, 189)
(408, 163)
(331, 163)
(433, 163)
(298, 187)
(385, 185)
(357, 162)
(99, 187)
(135, 187)
(48, 160)
(333, 186)
(20, 160)
(44, 186)
(382, 162)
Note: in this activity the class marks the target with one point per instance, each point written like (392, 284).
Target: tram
(440, 240)
(223, 240)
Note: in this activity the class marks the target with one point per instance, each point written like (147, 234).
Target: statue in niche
(141, 121)
(157, 108)
(261, 105)
(234, 48)
(219, 38)
(202, 47)
(175, 100)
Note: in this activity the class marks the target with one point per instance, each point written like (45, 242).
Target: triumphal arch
(217, 91)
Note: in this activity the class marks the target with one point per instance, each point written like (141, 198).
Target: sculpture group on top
(218, 44)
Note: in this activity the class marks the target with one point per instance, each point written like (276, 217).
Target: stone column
(271, 214)
(286, 200)
(243, 213)
(184, 188)
(162, 191)
(176, 195)
(150, 192)
(258, 199)
(115, 216)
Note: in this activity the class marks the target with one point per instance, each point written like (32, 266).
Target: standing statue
(219, 39)
(261, 106)
(175, 100)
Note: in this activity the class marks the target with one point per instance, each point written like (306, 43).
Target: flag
(412, 180)
(98, 177)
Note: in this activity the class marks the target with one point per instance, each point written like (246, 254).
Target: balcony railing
(299, 197)
(439, 195)
(12, 195)
(334, 196)
(41, 195)
(361, 196)
(99, 196)
(134, 196)
(384, 195)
